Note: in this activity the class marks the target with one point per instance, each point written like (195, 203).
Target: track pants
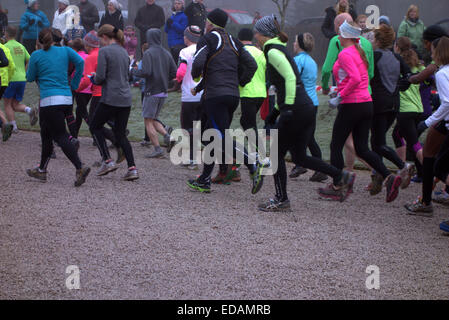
(355, 118)
(250, 108)
(120, 116)
(190, 112)
(52, 123)
(82, 101)
(381, 123)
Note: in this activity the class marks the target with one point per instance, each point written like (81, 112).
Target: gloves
(40, 24)
(286, 111)
(169, 22)
(272, 116)
(31, 22)
(422, 126)
(335, 102)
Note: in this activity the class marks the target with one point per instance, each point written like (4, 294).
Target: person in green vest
(332, 55)
(413, 28)
(16, 88)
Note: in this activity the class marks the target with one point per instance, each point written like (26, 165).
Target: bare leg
(159, 127)
(402, 152)
(350, 153)
(18, 107)
(9, 110)
(152, 132)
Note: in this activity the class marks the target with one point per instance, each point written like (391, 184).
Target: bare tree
(105, 3)
(282, 7)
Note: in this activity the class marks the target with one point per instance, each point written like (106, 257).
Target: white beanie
(116, 4)
(66, 2)
(348, 31)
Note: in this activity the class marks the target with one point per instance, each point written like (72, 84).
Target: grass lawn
(171, 116)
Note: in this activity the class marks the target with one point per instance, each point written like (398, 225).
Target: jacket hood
(154, 37)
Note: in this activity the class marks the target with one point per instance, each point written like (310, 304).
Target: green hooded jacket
(414, 31)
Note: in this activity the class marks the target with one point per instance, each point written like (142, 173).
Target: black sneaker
(297, 171)
(37, 174)
(318, 177)
(81, 176)
(7, 131)
(197, 185)
(274, 205)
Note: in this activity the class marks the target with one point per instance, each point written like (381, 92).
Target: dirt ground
(154, 239)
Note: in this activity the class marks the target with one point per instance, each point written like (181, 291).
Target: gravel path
(154, 239)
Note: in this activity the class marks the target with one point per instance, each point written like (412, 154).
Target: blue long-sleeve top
(32, 31)
(50, 69)
(175, 32)
(309, 73)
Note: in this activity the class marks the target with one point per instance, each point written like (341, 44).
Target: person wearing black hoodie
(342, 6)
(149, 16)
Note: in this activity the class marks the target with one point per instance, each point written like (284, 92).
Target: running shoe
(333, 193)
(221, 178)
(257, 178)
(81, 176)
(169, 130)
(419, 208)
(155, 154)
(297, 171)
(97, 164)
(106, 168)
(15, 130)
(348, 182)
(392, 183)
(145, 143)
(197, 185)
(33, 116)
(417, 179)
(441, 197)
(444, 226)
(37, 174)
(406, 175)
(76, 143)
(120, 155)
(376, 184)
(233, 174)
(7, 131)
(318, 177)
(170, 145)
(131, 175)
(274, 205)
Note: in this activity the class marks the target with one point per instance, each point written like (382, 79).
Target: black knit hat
(434, 32)
(246, 34)
(218, 17)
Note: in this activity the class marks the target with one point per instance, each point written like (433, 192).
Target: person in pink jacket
(355, 108)
(130, 41)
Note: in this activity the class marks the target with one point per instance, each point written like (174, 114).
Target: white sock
(14, 124)
(28, 110)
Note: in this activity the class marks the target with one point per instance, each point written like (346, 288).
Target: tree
(105, 3)
(282, 7)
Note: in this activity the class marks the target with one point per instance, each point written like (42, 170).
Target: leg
(350, 153)
(82, 101)
(99, 119)
(120, 124)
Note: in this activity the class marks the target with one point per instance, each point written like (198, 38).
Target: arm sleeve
(24, 23)
(279, 61)
(180, 74)
(78, 62)
(424, 75)
(4, 62)
(200, 58)
(354, 78)
(173, 69)
(328, 27)
(45, 21)
(11, 66)
(180, 25)
(138, 22)
(89, 67)
(331, 58)
(145, 69)
(32, 69)
(161, 19)
(100, 75)
(121, 23)
(370, 57)
(247, 65)
(443, 91)
(402, 31)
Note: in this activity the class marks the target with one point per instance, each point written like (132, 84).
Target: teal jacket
(32, 31)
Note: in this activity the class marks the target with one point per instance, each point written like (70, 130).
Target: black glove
(286, 111)
(169, 22)
(272, 116)
(422, 126)
(31, 22)
(40, 24)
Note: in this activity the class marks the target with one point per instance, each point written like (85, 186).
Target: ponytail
(113, 33)
(406, 52)
(46, 39)
(362, 54)
(282, 35)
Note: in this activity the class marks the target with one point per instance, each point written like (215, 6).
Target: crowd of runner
(382, 78)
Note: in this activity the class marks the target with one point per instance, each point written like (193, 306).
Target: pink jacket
(352, 77)
(87, 90)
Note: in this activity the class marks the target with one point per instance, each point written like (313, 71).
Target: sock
(28, 110)
(14, 124)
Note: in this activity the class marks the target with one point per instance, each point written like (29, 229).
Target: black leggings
(313, 146)
(250, 108)
(190, 112)
(82, 101)
(70, 120)
(381, 123)
(108, 133)
(52, 123)
(294, 135)
(355, 118)
(219, 112)
(441, 167)
(120, 116)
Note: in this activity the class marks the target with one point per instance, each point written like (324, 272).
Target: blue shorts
(15, 90)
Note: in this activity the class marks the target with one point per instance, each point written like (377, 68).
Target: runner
(355, 109)
(308, 69)
(16, 89)
(6, 72)
(158, 68)
(191, 105)
(224, 64)
(296, 122)
(389, 67)
(47, 67)
(115, 103)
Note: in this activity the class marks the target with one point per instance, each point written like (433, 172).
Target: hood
(154, 37)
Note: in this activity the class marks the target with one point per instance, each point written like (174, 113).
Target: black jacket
(148, 17)
(224, 64)
(196, 14)
(116, 19)
(328, 27)
(89, 15)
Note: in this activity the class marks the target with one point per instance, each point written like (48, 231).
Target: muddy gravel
(154, 239)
